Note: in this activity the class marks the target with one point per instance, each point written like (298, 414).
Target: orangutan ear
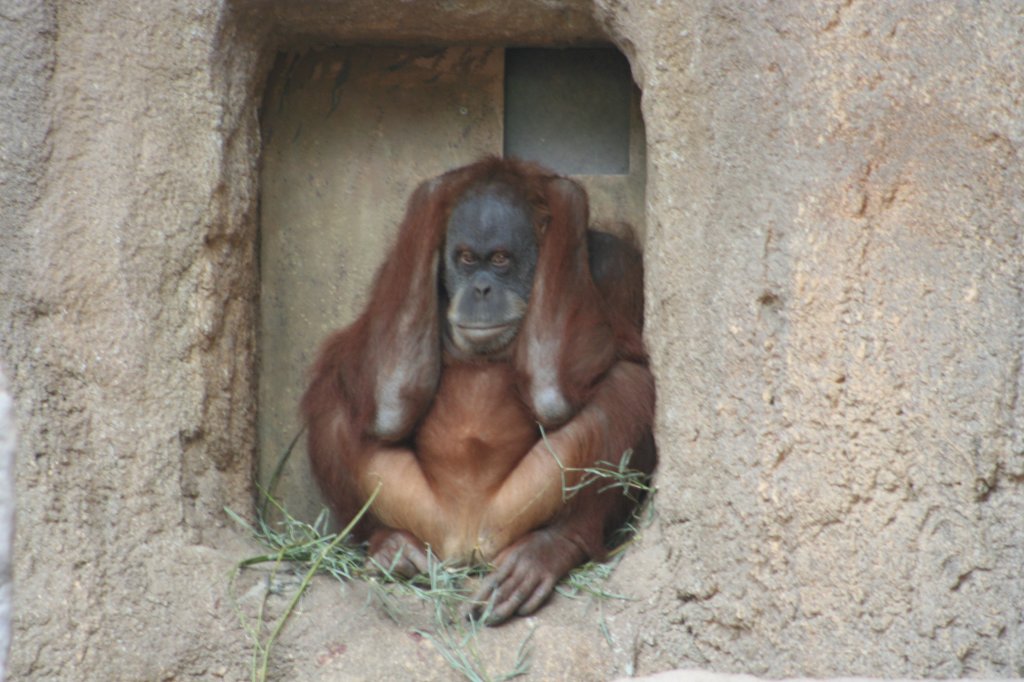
(566, 342)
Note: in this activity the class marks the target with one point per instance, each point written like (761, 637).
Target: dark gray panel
(569, 109)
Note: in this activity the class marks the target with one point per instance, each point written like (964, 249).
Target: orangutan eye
(466, 257)
(499, 259)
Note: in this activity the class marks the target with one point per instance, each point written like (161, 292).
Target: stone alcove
(349, 131)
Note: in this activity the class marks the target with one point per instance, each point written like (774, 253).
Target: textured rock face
(835, 312)
(127, 276)
(835, 308)
(8, 443)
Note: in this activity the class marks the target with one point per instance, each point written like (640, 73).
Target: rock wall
(128, 285)
(835, 312)
(835, 303)
(8, 445)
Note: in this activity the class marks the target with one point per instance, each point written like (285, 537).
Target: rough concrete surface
(694, 675)
(8, 443)
(835, 310)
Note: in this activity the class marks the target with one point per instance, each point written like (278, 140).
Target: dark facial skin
(489, 260)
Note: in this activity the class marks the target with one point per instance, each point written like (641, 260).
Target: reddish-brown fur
(456, 446)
